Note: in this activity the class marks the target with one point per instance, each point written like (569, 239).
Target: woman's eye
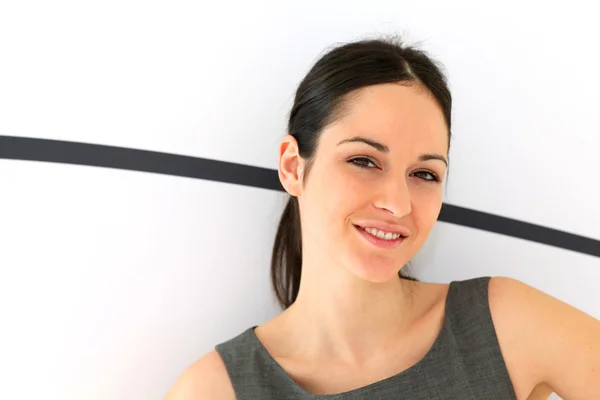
(433, 176)
(362, 162)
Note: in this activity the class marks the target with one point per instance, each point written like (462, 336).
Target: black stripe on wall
(22, 148)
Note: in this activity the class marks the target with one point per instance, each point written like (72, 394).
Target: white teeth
(382, 234)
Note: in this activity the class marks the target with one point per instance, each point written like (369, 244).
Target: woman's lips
(382, 226)
(381, 243)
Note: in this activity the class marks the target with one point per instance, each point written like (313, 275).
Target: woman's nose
(395, 198)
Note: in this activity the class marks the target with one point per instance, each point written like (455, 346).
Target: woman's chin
(376, 272)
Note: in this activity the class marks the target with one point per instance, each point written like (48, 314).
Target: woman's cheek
(426, 209)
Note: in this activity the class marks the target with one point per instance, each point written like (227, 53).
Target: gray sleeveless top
(465, 361)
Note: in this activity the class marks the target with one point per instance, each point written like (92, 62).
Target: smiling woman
(388, 179)
(364, 163)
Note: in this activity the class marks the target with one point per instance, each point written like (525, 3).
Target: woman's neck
(338, 315)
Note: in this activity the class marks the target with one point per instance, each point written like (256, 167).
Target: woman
(364, 163)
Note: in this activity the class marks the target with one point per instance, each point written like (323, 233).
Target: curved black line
(58, 151)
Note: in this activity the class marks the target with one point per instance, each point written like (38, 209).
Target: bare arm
(559, 342)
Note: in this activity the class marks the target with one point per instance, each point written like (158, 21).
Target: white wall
(112, 282)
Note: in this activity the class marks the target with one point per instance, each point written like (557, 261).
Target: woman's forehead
(393, 123)
(393, 103)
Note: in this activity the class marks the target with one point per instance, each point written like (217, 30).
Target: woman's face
(387, 182)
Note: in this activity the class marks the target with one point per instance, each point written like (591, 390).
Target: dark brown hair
(319, 101)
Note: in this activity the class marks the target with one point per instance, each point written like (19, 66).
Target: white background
(112, 282)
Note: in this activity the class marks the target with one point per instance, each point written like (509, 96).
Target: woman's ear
(290, 166)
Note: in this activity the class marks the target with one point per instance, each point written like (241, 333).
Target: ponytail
(286, 260)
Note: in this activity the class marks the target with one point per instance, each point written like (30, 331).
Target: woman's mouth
(386, 240)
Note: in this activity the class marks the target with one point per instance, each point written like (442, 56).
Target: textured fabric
(465, 362)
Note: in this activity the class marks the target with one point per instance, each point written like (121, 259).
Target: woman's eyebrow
(384, 149)
(379, 146)
(429, 156)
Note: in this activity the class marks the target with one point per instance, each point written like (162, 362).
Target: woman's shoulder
(207, 378)
(525, 336)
